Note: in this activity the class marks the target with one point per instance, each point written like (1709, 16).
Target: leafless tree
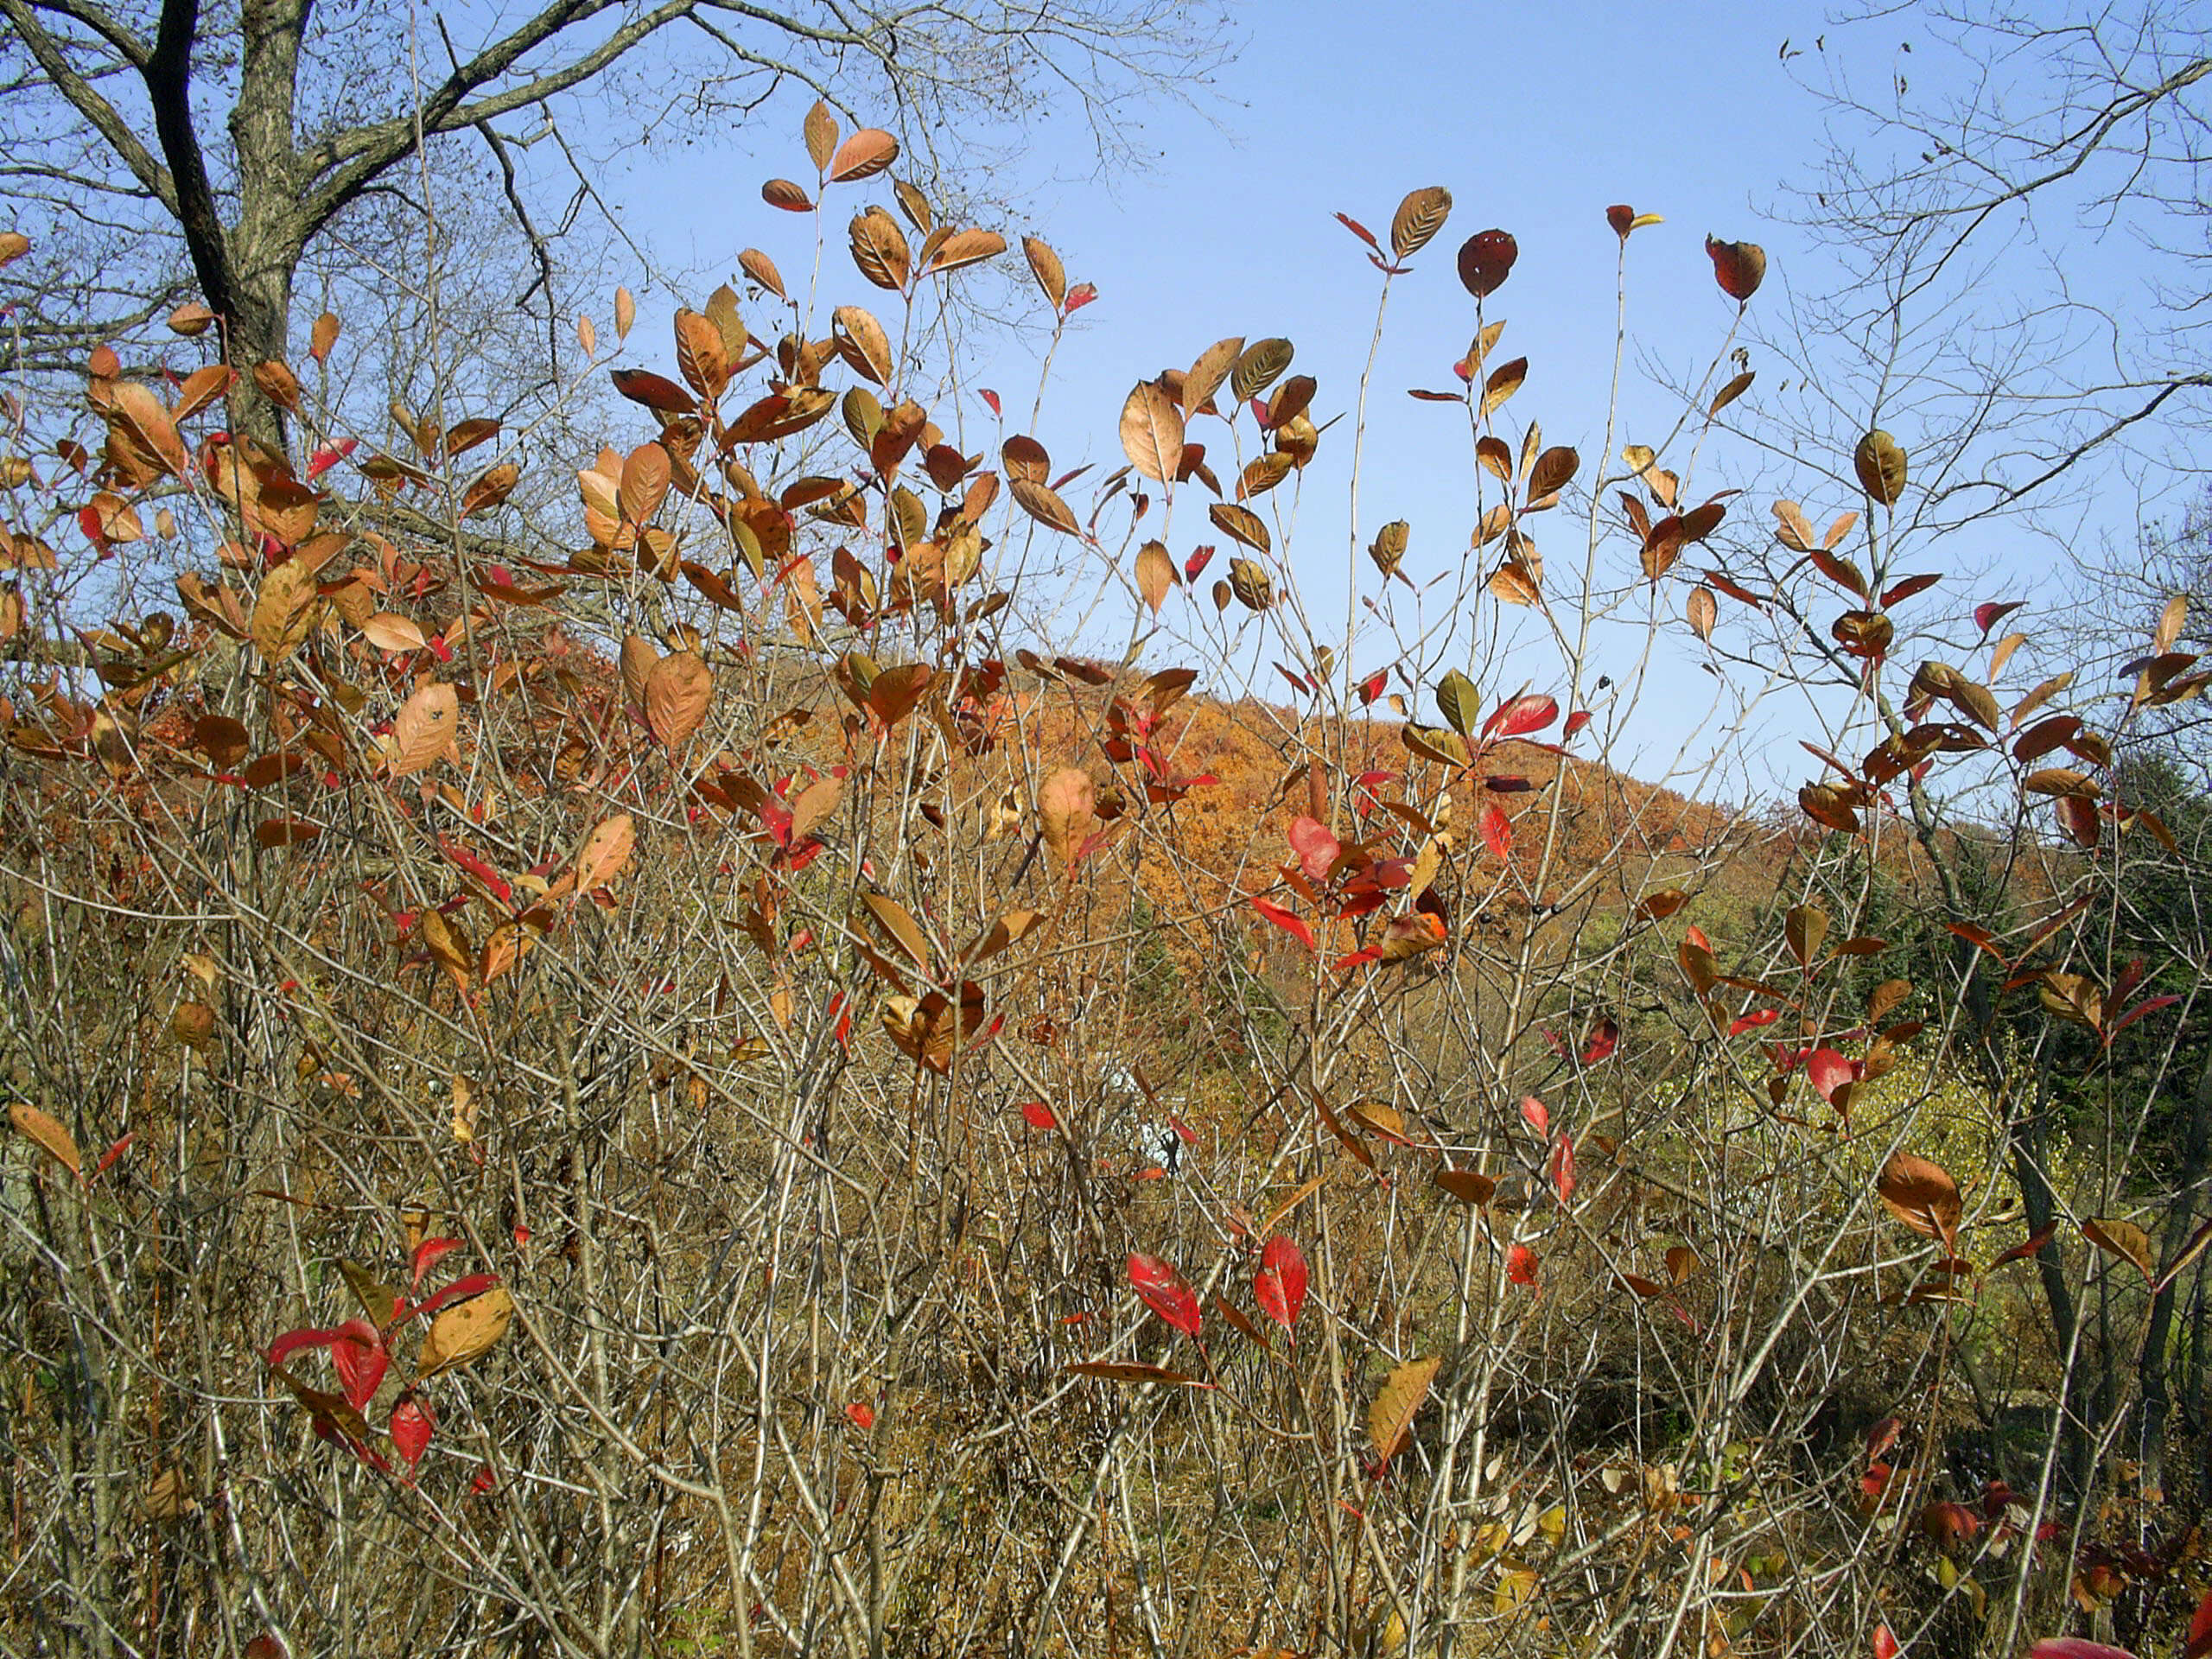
(2014, 203)
(155, 149)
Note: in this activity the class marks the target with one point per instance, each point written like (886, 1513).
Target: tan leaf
(1390, 1419)
(283, 611)
(605, 851)
(863, 343)
(879, 248)
(51, 1137)
(1044, 265)
(637, 658)
(1152, 433)
(465, 1332)
(964, 248)
(820, 131)
(2168, 632)
(1204, 376)
(423, 731)
(2122, 1238)
(626, 312)
(389, 631)
(1066, 807)
(324, 336)
(644, 482)
(1157, 575)
(1704, 612)
(815, 804)
(678, 692)
(192, 1025)
(143, 414)
(762, 270)
(700, 355)
(1043, 504)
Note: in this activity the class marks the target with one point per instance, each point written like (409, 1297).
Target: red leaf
(1039, 1115)
(1577, 720)
(2200, 1631)
(1883, 1436)
(411, 1429)
(1603, 1041)
(1562, 1169)
(1989, 613)
(292, 1341)
(1521, 716)
(1279, 1285)
(2022, 1252)
(860, 1415)
(1080, 296)
(360, 1359)
(1360, 230)
(459, 1291)
(1485, 260)
(427, 1254)
(1316, 847)
(1371, 687)
(1498, 833)
(1200, 557)
(1538, 1116)
(1752, 1021)
(1520, 1265)
(992, 399)
(2073, 1647)
(1695, 935)
(1290, 924)
(483, 1480)
(1828, 1072)
(1164, 1292)
(1885, 1645)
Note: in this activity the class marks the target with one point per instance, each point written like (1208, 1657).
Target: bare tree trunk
(2158, 1402)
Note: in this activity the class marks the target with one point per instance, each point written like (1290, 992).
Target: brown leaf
(1485, 260)
(1152, 432)
(1257, 367)
(815, 804)
(423, 731)
(819, 130)
(1204, 376)
(1157, 575)
(861, 342)
(51, 1138)
(143, 414)
(964, 248)
(700, 354)
(1419, 218)
(605, 851)
(637, 658)
(678, 692)
(879, 248)
(465, 1332)
(1704, 612)
(1921, 1195)
(896, 920)
(2123, 1238)
(1739, 267)
(1390, 1419)
(864, 155)
(192, 1025)
(1242, 525)
(1066, 808)
(324, 336)
(644, 482)
(762, 270)
(1044, 265)
(1880, 465)
(283, 611)
(1041, 503)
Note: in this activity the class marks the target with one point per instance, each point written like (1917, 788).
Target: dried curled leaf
(1880, 465)
(423, 731)
(44, 1131)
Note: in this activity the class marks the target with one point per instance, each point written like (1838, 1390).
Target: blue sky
(1535, 119)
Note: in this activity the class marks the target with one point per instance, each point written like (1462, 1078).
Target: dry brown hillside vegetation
(652, 1074)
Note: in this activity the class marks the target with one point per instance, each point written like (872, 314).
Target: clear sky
(1536, 118)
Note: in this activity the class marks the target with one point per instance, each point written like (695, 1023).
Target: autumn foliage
(636, 1059)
